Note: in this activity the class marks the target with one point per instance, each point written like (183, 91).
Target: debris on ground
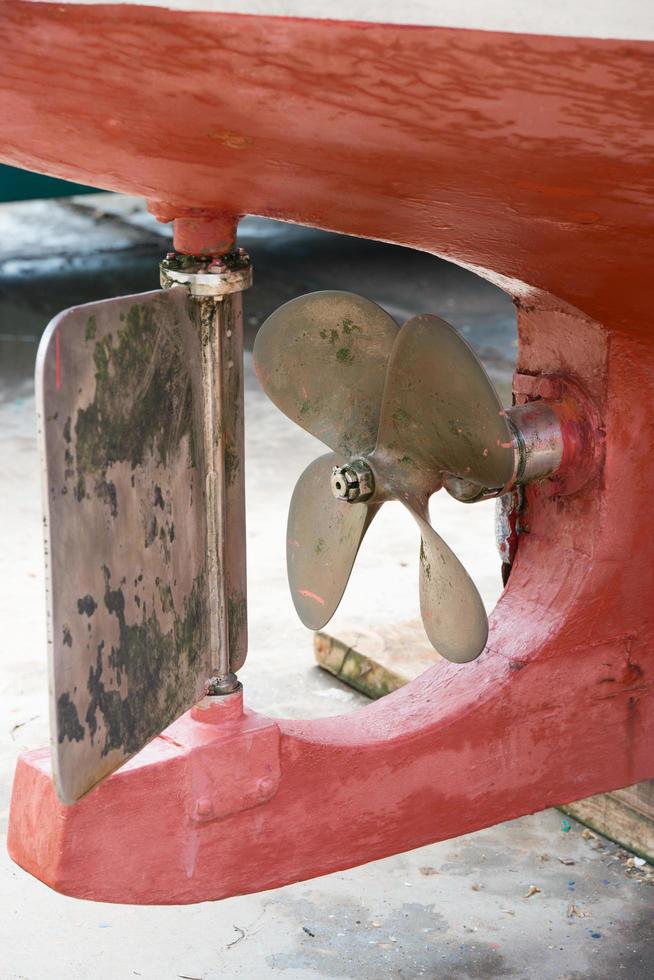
(241, 936)
(21, 724)
(574, 912)
(532, 890)
(636, 868)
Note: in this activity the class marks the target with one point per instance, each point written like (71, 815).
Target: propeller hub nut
(353, 482)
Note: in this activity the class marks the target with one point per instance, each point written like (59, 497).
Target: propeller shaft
(538, 449)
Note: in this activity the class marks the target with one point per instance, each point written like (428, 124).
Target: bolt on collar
(353, 481)
(206, 275)
(222, 685)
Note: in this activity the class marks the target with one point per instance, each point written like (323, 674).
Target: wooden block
(377, 662)
(626, 816)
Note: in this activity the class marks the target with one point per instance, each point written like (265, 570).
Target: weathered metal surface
(407, 406)
(119, 396)
(208, 275)
(221, 338)
(539, 447)
(441, 413)
(322, 541)
(539, 440)
(507, 528)
(321, 358)
(571, 443)
(214, 285)
(451, 608)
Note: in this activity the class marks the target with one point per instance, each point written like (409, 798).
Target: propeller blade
(440, 413)
(452, 611)
(323, 539)
(322, 358)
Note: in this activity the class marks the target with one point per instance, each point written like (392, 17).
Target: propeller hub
(353, 482)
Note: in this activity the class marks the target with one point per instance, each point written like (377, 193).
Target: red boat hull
(527, 159)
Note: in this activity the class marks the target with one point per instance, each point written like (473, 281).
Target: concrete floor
(538, 897)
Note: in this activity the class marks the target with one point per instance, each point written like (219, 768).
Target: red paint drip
(57, 361)
(311, 595)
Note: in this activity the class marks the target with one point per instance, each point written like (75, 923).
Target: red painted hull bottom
(558, 707)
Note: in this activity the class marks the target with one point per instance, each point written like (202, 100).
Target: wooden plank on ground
(619, 816)
(376, 662)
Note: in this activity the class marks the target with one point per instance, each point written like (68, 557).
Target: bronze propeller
(402, 410)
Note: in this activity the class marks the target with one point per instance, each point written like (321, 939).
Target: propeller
(403, 410)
